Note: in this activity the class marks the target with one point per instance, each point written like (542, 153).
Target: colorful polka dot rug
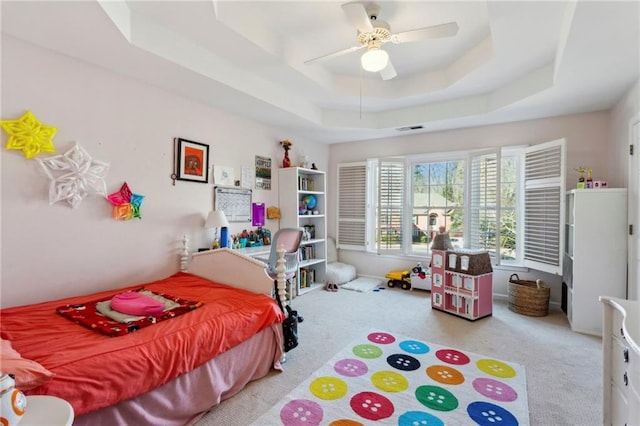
(388, 379)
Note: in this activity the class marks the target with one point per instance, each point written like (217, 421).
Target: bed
(171, 372)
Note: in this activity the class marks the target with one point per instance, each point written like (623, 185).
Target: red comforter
(94, 371)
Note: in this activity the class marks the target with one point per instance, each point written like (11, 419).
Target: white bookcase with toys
(301, 194)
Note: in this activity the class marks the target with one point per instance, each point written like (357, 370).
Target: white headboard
(226, 266)
(231, 268)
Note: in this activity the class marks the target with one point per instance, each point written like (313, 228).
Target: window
(544, 178)
(438, 190)
(352, 199)
(390, 210)
(507, 201)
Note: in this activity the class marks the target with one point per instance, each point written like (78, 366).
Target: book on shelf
(307, 252)
(305, 184)
(311, 231)
(307, 277)
(303, 278)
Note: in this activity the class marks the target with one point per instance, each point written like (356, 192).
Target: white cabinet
(621, 362)
(595, 258)
(301, 194)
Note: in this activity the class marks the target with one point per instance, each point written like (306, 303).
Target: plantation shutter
(544, 182)
(352, 205)
(484, 232)
(391, 185)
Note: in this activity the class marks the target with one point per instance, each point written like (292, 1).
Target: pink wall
(588, 144)
(54, 251)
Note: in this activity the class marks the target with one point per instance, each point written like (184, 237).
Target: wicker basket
(528, 297)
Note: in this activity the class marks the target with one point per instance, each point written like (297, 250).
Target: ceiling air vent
(406, 128)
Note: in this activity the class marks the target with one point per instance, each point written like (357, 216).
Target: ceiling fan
(373, 33)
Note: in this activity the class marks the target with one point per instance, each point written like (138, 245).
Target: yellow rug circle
(496, 368)
(389, 381)
(328, 387)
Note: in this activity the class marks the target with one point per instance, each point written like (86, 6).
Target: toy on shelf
(259, 237)
(587, 183)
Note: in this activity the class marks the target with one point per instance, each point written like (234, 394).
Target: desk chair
(290, 239)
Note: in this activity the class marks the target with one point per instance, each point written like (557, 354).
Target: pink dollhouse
(462, 283)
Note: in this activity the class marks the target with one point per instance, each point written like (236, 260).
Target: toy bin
(528, 297)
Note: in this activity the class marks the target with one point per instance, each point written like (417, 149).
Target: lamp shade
(216, 219)
(374, 60)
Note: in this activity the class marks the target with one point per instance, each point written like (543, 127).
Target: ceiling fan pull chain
(361, 72)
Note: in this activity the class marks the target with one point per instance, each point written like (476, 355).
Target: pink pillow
(28, 374)
(134, 303)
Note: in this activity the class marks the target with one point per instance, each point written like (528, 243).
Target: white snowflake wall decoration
(74, 175)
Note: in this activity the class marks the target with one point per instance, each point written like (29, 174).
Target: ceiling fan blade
(443, 30)
(334, 54)
(388, 72)
(358, 16)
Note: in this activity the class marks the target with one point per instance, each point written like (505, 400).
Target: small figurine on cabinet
(589, 181)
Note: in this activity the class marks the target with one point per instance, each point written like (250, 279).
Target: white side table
(47, 410)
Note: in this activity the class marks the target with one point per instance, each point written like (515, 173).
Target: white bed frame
(231, 268)
(223, 266)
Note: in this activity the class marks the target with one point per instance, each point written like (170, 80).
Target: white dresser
(621, 362)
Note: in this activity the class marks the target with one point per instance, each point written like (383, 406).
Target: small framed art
(192, 161)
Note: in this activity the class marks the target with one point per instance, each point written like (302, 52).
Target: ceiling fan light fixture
(374, 59)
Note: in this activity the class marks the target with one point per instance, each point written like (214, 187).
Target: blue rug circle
(414, 347)
(412, 418)
(485, 414)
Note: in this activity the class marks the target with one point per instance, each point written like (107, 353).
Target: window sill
(426, 259)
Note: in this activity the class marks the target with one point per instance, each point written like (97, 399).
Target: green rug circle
(367, 351)
(436, 398)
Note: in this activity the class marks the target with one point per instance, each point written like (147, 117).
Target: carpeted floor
(563, 368)
(363, 284)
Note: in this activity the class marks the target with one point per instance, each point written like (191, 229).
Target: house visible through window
(438, 191)
(479, 198)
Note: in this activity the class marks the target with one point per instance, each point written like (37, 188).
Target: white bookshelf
(294, 185)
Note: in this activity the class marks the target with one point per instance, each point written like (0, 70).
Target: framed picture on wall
(192, 161)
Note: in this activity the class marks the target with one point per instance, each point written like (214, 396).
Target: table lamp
(217, 219)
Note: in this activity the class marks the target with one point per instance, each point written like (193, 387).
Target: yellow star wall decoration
(29, 135)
